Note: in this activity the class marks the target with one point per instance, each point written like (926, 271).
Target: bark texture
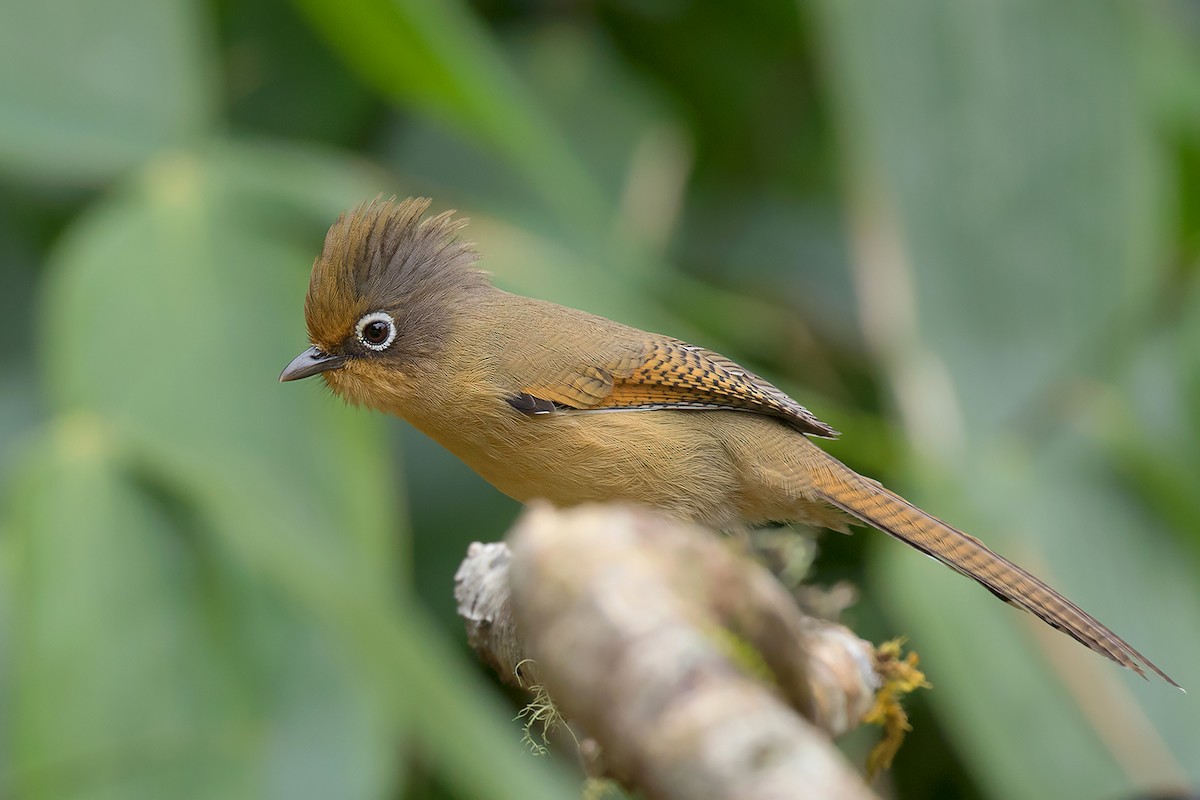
(685, 660)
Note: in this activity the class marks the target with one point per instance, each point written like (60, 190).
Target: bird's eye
(376, 330)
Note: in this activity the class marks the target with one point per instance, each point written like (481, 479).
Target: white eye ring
(376, 316)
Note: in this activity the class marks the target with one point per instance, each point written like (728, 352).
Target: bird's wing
(662, 373)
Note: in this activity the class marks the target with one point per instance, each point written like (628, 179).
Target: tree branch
(684, 659)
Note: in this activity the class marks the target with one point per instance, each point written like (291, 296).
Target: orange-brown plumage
(661, 372)
(550, 402)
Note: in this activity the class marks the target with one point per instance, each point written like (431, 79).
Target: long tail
(880, 508)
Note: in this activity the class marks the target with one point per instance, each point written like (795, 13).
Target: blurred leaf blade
(289, 489)
(133, 98)
(95, 701)
(414, 673)
(435, 56)
(164, 259)
(1017, 158)
(1027, 195)
(137, 682)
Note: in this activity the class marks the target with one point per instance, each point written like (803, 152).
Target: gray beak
(309, 363)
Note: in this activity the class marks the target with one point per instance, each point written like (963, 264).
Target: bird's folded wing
(665, 374)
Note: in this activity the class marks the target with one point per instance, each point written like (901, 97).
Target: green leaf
(1010, 143)
(195, 303)
(186, 282)
(437, 57)
(1009, 205)
(191, 283)
(117, 685)
(88, 90)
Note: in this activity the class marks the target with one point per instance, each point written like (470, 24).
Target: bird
(552, 403)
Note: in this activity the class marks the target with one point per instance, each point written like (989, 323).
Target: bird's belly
(666, 459)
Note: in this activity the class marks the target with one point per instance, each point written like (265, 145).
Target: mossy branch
(684, 660)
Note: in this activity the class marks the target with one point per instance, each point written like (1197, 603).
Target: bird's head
(383, 299)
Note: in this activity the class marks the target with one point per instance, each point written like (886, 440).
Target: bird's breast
(666, 459)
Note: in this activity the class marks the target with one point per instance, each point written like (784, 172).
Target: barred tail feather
(880, 508)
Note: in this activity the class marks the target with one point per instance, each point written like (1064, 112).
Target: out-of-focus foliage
(966, 234)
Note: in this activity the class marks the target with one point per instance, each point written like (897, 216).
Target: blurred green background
(964, 233)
